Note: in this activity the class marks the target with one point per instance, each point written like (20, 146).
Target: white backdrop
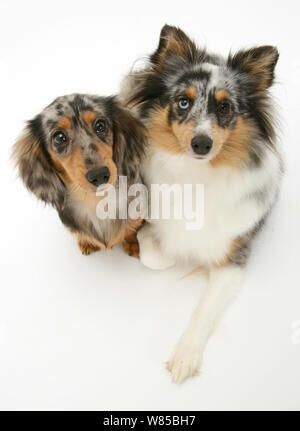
(93, 332)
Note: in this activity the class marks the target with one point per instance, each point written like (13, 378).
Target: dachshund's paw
(130, 244)
(87, 248)
(131, 248)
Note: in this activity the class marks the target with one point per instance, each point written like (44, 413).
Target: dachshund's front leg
(130, 245)
(86, 245)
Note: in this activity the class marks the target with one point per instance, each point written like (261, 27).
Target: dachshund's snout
(98, 176)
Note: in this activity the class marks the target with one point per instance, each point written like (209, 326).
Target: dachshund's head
(79, 142)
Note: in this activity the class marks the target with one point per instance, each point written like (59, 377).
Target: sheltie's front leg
(150, 252)
(223, 284)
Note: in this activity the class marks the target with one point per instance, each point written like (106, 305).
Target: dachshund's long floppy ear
(173, 41)
(129, 143)
(35, 166)
(259, 63)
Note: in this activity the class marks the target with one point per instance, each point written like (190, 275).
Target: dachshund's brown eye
(59, 138)
(224, 107)
(99, 127)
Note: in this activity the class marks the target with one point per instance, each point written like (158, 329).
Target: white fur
(150, 252)
(230, 210)
(186, 359)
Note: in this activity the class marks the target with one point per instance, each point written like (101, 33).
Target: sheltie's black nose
(201, 144)
(98, 176)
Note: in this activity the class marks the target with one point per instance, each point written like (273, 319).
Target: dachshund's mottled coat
(75, 144)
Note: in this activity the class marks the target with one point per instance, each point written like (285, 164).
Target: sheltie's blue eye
(183, 103)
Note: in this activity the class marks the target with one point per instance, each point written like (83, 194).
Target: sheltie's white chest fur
(235, 200)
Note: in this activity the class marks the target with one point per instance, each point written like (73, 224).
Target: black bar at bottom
(135, 420)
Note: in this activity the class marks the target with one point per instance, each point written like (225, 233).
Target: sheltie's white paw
(150, 254)
(185, 360)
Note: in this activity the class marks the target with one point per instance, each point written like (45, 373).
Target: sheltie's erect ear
(175, 51)
(259, 63)
(173, 42)
(36, 167)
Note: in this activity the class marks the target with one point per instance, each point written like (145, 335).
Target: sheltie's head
(213, 109)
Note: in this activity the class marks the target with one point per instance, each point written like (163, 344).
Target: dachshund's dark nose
(98, 176)
(201, 144)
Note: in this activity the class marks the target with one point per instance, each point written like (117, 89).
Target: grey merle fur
(40, 175)
(178, 63)
(162, 80)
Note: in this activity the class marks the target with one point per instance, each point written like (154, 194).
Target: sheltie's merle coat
(210, 122)
(74, 145)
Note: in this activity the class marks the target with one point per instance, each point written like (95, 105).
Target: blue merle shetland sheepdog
(210, 122)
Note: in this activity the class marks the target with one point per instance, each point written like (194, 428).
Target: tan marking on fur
(221, 95)
(130, 245)
(106, 153)
(173, 46)
(23, 145)
(86, 247)
(231, 147)
(73, 168)
(191, 92)
(126, 236)
(72, 171)
(131, 227)
(160, 133)
(230, 253)
(64, 123)
(26, 149)
(88, 244)
(184, 133)
(260, 69)
(173, 139)
(89, 116)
